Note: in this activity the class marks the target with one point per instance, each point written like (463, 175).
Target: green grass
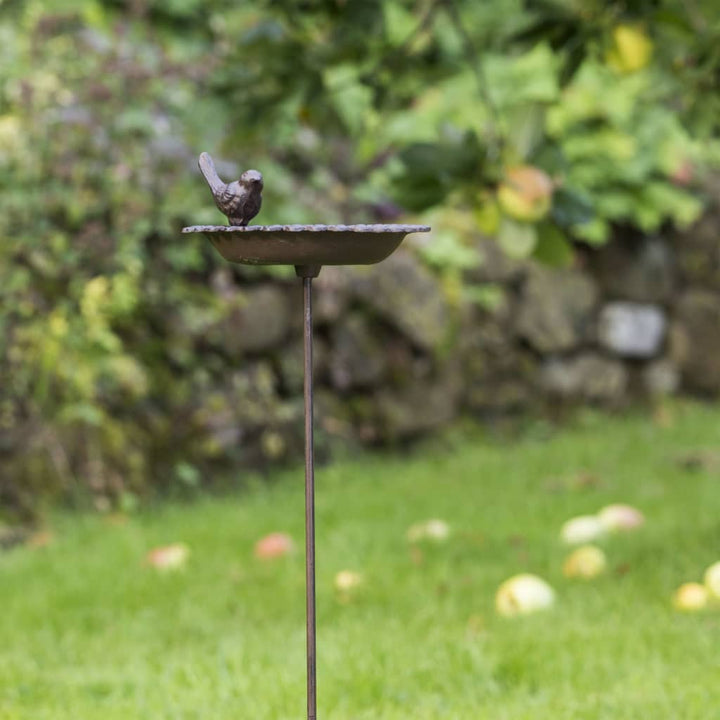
(88, 632)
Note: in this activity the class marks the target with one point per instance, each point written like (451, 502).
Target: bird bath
(307, 248)
(306, 245)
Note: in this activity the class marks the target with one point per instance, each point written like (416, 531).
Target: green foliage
(94, 181)
(587, 93)
(111, 323)
(621, 147)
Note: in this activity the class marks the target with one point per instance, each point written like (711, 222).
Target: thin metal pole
(309, 505)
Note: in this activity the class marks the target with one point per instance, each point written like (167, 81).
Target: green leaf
(187, 474)
(528, 78)
(82, 412)
(680, 205)
(553, 247)
(489, 296)
(429, 171)
(351, 99)
(526, 129)
(517, 239)
(594, 232)
(446, 250)
(400, 23)
(571, 207)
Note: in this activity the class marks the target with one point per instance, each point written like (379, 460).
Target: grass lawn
(88, 632)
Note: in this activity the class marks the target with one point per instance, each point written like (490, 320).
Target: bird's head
(252, 178)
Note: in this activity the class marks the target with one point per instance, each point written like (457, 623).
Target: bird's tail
(207, 168)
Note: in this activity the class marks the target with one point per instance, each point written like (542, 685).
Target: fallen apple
(582, 529)
(347, 581)
(437, 530)
(170, 557)
(522, 595)
(273, 545)
(434, 530)
(619, 517)
(525, 193)
(690, 597)
(586, 562)
(712, 580)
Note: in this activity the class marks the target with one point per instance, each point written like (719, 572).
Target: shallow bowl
(306, 245)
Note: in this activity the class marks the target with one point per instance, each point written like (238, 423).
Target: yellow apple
(631, 49)
(712, 580)
(347, 580)
(168, 558)
(522, 595)
(435, 530)
(690, 597)
(586, 562)
(582, 529)
(525, 193)
(619, 517)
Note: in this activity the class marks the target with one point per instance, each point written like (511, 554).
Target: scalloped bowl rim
(372, 228)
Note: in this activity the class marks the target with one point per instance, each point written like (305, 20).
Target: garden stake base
(307, 248)
(309, 499)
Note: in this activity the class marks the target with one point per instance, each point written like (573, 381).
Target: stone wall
(400, 353)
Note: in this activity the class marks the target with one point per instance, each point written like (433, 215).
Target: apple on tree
(525, 194)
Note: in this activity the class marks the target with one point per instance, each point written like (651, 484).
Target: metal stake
(309, 504)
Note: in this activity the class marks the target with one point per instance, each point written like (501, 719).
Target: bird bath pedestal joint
(307, 248)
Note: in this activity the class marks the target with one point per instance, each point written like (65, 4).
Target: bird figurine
(239, 200)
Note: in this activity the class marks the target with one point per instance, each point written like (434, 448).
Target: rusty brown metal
(306, 244)
(240, 200)
(308, 248)
(307, 271)
(311, 629)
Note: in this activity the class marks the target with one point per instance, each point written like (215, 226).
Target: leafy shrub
(110, 348)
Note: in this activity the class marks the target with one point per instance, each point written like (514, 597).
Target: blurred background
(549, 353)
(564, 152)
